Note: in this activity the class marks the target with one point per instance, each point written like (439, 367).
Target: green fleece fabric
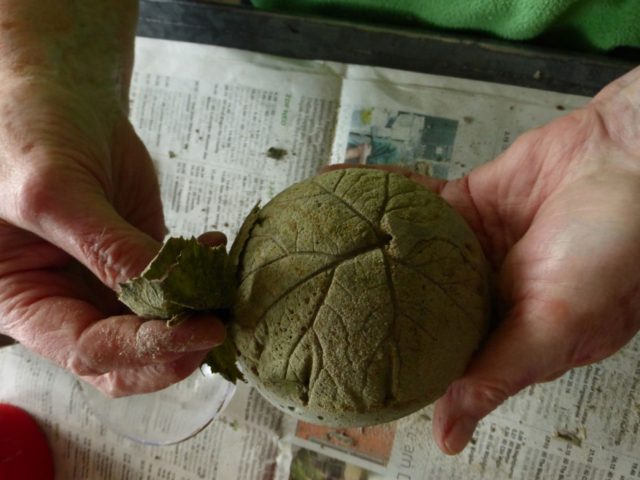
(592, 24)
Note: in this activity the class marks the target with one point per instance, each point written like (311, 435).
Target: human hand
(556, 215)
(80, 209)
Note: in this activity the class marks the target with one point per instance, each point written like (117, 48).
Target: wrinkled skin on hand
(557, 215)
(80, 212)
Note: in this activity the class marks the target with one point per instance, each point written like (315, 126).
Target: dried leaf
(185, 276)
(222, 360)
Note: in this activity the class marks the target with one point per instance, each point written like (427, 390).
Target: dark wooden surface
(420, 51)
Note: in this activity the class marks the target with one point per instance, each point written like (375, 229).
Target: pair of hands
(80, 212)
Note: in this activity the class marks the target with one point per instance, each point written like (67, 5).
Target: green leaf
(222, 360)
(185, 276)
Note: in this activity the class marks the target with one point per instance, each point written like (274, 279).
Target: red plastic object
(24, 452)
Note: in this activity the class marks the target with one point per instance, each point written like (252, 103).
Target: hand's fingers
(573, 298)
(519, 354)
(618, 108)
(127, 342)
(616, 86)
(89, 229)
(213, 239)
(538, 341)
(49, 313)
(153, 378)
(137, 197)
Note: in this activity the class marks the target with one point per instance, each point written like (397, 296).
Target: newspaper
(226, 129)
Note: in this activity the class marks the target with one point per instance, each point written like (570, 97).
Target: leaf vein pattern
(274, 240)
(346, 330)
(335, 187)
(385, 201)
(372, 357)
(437, 285)
(394, 298)
(346, 192)
(313, 319)
(320, 369)
(286, 201)
(350, 207)
(275, 260)
(311, 276)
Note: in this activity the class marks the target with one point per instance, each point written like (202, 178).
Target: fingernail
(203, 335)
(460, 434)
(195, 345)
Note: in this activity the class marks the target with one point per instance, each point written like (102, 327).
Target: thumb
(106, 244)
(520, 353)
(85, 225)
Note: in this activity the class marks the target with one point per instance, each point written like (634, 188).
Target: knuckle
(106, 255)
(98, 256)
(80, 367)
(480, 395)
(88, 356)
(490, 395)
(35, 196)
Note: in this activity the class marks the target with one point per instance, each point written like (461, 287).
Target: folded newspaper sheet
(227, 128)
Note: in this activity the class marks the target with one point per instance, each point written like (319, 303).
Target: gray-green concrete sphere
(361, 296)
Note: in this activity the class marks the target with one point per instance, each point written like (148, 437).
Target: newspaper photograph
(438, 127)
(227, 129)
(421, 142)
